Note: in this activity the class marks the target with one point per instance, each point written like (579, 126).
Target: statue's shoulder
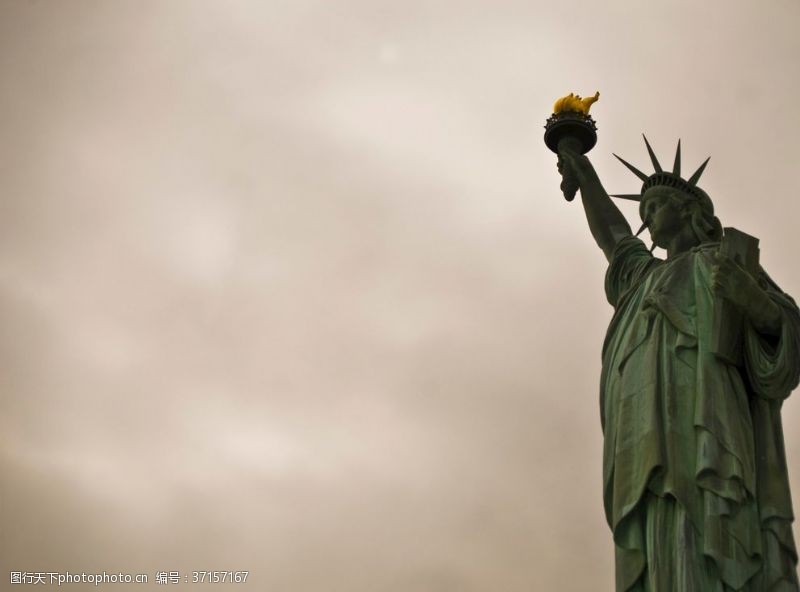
(706, 247)
(705, 251)
(700, 257)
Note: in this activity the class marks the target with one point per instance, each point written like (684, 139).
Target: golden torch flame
(575, 103)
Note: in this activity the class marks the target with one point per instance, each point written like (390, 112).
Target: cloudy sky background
(290, 287)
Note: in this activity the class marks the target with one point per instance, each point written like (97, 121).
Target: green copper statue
(701, 351)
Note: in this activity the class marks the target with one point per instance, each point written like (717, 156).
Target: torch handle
(569, 186)
(569, 182)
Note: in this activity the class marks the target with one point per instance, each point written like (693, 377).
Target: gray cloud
(290, 287)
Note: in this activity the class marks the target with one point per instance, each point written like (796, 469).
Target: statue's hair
(706, 226)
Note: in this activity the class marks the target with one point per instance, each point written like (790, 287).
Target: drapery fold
(701, 436)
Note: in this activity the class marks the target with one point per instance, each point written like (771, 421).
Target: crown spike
(653, 159)
(630, 196)
(676, 169)
(632, 168)
(696, 176)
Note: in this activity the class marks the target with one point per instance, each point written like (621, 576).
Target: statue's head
(669, 204)
(668, 211)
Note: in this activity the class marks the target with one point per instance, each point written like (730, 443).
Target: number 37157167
(215, 577)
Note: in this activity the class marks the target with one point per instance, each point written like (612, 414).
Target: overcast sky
(290, 286)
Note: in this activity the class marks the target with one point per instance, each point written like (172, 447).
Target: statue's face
(662, 214)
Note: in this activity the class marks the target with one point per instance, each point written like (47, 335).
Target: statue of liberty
(702, 349)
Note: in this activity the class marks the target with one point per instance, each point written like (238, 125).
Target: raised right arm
(606, 223)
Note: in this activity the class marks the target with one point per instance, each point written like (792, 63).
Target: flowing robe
(696, 489)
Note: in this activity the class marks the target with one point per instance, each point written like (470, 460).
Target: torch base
(570, 125)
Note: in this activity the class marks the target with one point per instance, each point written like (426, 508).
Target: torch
(571, 127)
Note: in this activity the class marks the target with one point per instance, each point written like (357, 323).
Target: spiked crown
(667, 178)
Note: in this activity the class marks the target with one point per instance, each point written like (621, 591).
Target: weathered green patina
(696, 488)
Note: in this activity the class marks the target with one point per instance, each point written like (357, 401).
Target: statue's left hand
(731, 281)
